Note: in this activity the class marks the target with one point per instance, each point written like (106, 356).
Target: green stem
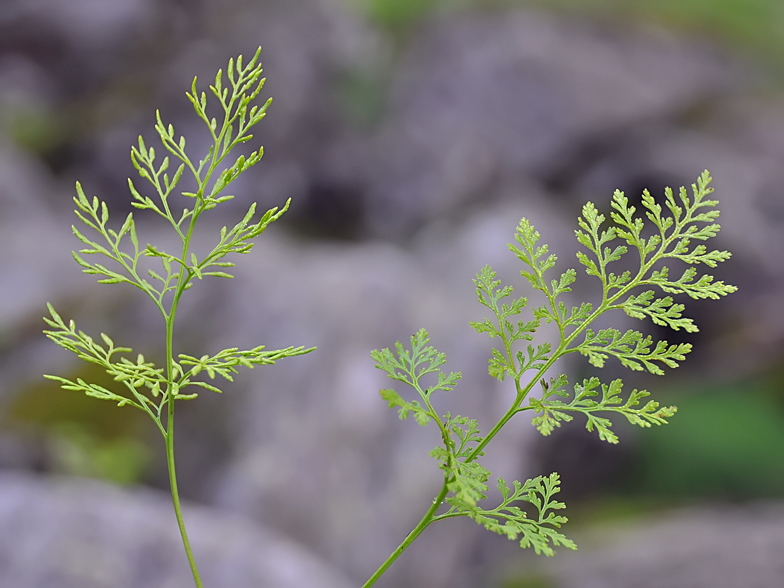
(176, 495)
(426, 520)
(171, 376)
(521, 396)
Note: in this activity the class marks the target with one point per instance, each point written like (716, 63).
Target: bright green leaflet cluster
(672, 237)
(465, 479)
(141, 384)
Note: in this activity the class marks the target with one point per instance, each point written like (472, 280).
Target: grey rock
(490, 100)
(60, 533)
(721, 546)
(80, 44)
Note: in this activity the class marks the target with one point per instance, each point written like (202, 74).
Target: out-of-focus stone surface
(704, 547)
(488, 102)
(64, 533)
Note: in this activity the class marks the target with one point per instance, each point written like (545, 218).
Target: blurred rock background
(411, 135)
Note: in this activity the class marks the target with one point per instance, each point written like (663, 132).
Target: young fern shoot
(140, 384)
(465, 481)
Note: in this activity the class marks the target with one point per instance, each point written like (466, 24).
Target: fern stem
(176, 496)
(171, 376)
(423, 524)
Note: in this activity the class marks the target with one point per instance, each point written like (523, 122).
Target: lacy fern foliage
(140, 384)
(664, 233)
(145, 386)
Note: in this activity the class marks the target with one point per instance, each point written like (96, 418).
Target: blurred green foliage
(396, 13)
(83, 437)
(77, 451)
(756, 26)
(361, 97)
(36, 129)
(726, 442)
